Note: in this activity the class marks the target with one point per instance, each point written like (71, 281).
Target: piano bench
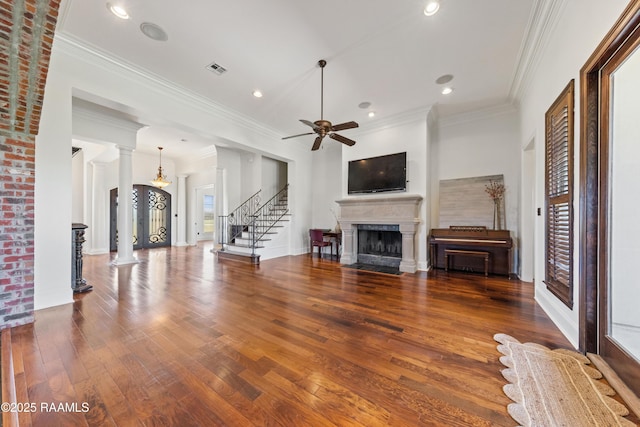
(477, 254)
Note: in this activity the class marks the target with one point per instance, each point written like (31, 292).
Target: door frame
(593, 187)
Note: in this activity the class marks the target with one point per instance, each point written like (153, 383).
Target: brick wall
(26, 36)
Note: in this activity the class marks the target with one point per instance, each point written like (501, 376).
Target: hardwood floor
(181, 340)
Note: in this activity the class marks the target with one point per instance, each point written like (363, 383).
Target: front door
(151, 217)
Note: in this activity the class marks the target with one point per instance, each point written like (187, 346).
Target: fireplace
(379, 244)
(398, 214)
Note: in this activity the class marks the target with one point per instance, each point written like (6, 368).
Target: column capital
(125, 149)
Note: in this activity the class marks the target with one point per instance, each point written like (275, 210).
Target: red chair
(316, 238)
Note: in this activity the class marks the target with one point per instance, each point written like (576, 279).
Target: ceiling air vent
(217, 68)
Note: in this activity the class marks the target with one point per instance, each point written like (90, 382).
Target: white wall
(326, 177)
(52, 270)
(78, 183)
(579, 28)
(231, 162)
(273, 176)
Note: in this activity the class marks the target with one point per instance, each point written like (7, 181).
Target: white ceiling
(386, 52)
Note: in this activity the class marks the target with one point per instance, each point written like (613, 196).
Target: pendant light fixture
(161, 180)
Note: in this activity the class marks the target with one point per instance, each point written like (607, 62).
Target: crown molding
(495, 110)
(86, 52)
(544, 16)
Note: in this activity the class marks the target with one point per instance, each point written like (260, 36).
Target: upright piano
(495, 245)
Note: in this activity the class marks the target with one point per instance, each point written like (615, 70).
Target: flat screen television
(378, 174)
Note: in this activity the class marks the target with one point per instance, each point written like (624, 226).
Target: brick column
(26, 35)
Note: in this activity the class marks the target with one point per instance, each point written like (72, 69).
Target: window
(558, 195)
(208, 223)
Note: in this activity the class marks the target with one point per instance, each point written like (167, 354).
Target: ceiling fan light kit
(324, 127)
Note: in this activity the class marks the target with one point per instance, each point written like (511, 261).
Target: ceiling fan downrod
(321, 64)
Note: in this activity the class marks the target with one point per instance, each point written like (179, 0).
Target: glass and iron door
(151, 217)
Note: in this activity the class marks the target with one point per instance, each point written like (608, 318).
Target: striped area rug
(556, 388)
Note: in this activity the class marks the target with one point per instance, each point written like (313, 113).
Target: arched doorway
(151, 217)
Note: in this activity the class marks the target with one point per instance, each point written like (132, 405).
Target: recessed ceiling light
(257, 94)
(118, 10)
(154, 31)
(446, 78)
(364, 105)
(447, 90)
(372, 114)
(432, 7)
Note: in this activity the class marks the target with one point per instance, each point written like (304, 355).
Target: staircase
(252, 226)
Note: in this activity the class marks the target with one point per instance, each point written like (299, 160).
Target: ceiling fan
(324, 127)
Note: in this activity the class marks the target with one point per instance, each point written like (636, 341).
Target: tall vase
(497, 214)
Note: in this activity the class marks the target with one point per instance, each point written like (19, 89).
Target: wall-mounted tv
(378, 174)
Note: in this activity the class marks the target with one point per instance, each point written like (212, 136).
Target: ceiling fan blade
(344, 126)
(342, 139)
(308, 123)
(300, 134)
(316, 143)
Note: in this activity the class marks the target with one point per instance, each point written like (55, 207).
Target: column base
(408, 266)
(83, 288)
(125, 261)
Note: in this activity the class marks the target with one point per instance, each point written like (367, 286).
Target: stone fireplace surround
(403, 210)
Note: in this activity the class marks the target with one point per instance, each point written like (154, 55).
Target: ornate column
(125, 208)
(408, 262)
(349, 242)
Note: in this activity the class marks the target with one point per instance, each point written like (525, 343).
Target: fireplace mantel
(403, 210)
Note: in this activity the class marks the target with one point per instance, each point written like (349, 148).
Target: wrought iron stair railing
(233, 225)
(258, 224)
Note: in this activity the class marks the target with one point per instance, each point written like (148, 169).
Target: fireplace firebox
(379, 244)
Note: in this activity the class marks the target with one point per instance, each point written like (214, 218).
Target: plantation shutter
(559, 208)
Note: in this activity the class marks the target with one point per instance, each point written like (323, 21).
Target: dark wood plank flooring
(181, 340)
